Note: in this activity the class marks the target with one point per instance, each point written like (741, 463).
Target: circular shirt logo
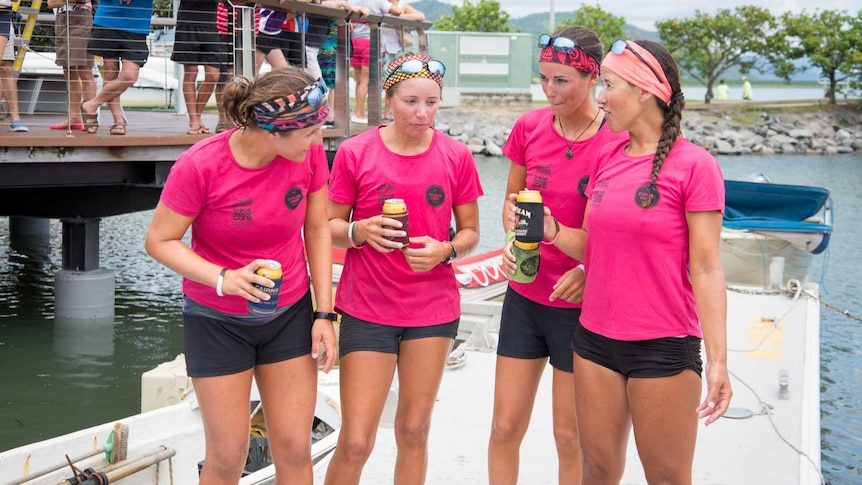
(435, 196)
(292, 198)
(647, 196)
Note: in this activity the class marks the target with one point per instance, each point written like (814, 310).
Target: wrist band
(350, 236)
(557, 235)
(582, 267)
(220, 282)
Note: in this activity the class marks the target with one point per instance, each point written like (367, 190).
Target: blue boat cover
(755, 206)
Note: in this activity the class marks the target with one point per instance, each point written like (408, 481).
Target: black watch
(325, 315)
(452, 255)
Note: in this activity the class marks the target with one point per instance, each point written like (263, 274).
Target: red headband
(638, 72)
(578, 59)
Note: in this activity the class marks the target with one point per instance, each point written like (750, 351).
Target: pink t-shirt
(381, 287)
(241, 214)
(637, 260)
(535, 144)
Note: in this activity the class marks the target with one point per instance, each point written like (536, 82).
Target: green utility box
(484, 68)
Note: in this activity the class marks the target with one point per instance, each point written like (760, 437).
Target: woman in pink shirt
(552, 150)
(655, 287)
(254, 194)
(399, 300)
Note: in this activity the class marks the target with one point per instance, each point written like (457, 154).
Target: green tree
(706, 46)
(607, 25)
(163, 8)
(830, 40)
(484, 16)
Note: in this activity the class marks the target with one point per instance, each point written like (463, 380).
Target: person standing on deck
(552, 150)
(655, 286)
(72, 28)
(360, 57)
(399, 300)
(197, 44)
(5, 29)
(254, 193)
(9, 87)
(119, 35)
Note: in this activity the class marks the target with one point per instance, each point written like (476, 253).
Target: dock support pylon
(83, 290)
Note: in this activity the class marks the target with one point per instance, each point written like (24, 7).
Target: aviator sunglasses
(314, 94)
(620, 45)
(416, 65)
(562, 44)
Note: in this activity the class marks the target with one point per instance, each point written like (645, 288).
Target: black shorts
(530, 330)
(216, 345)
(118, 44)
(355, 334)
(661, 357)
(197, 43)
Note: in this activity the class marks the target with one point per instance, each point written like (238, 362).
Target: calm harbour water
(55, 380)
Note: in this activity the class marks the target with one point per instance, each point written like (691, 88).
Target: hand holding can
(397, 209)
(529, 217)
(272, 270)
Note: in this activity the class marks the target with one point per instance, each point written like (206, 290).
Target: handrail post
(243, 32)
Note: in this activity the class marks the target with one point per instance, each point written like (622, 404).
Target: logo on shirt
(599, 191)
(435, 196)
(242, 211)
(385, 191)
(540, 178)
(293, 198)
(647, 196)
(582, 185)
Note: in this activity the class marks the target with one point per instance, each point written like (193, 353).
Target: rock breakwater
(722, 131)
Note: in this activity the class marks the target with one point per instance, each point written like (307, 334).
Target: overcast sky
(644, 13)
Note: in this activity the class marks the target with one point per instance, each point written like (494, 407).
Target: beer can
(272, 270)
(397, 209)
(526, 261)
(529, 216)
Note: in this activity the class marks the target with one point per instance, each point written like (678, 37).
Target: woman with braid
(655, 287)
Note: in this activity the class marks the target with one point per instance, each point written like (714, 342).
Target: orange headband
(640, 72)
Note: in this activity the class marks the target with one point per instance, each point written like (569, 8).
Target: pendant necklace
(569, 146)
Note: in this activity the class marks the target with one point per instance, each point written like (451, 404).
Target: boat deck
(759, 449)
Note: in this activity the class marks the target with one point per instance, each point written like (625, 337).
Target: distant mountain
(535, 24)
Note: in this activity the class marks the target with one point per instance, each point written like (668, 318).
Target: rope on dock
(790, 290)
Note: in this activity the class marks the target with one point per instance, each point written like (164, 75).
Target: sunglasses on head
(619, 46)
(416, 65)
(562, 44)
(314, 94)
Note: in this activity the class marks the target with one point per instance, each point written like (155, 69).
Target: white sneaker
(358, 120)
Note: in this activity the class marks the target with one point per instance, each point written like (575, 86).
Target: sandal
(118, 129)
(90, 121)
(198, 130)
(222, 126)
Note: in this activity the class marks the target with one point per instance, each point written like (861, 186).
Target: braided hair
(671, 128)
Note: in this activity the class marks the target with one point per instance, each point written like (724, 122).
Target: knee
(506, 431)
(595, 471)
(128, 78)
(566, 438)
(226, 462)
(355, 450)
(412, 435)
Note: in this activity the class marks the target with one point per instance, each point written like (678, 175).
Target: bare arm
(318, 247)
(707, 280)
(411, 13)
(164, 243)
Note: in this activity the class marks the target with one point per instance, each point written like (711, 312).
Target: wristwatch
(325, 315)
(453, 255)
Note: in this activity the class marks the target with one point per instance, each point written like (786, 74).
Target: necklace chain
(569, 146)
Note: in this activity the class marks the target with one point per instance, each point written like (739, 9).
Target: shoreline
(728, 128)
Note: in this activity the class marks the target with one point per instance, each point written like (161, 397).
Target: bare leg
(365, 381)
(9, 90)
(190, 74)
(288, 390)
(515, 386)
(361, 90)
(224, 402)
(205, 91)
(420, 370)
(117, 81)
